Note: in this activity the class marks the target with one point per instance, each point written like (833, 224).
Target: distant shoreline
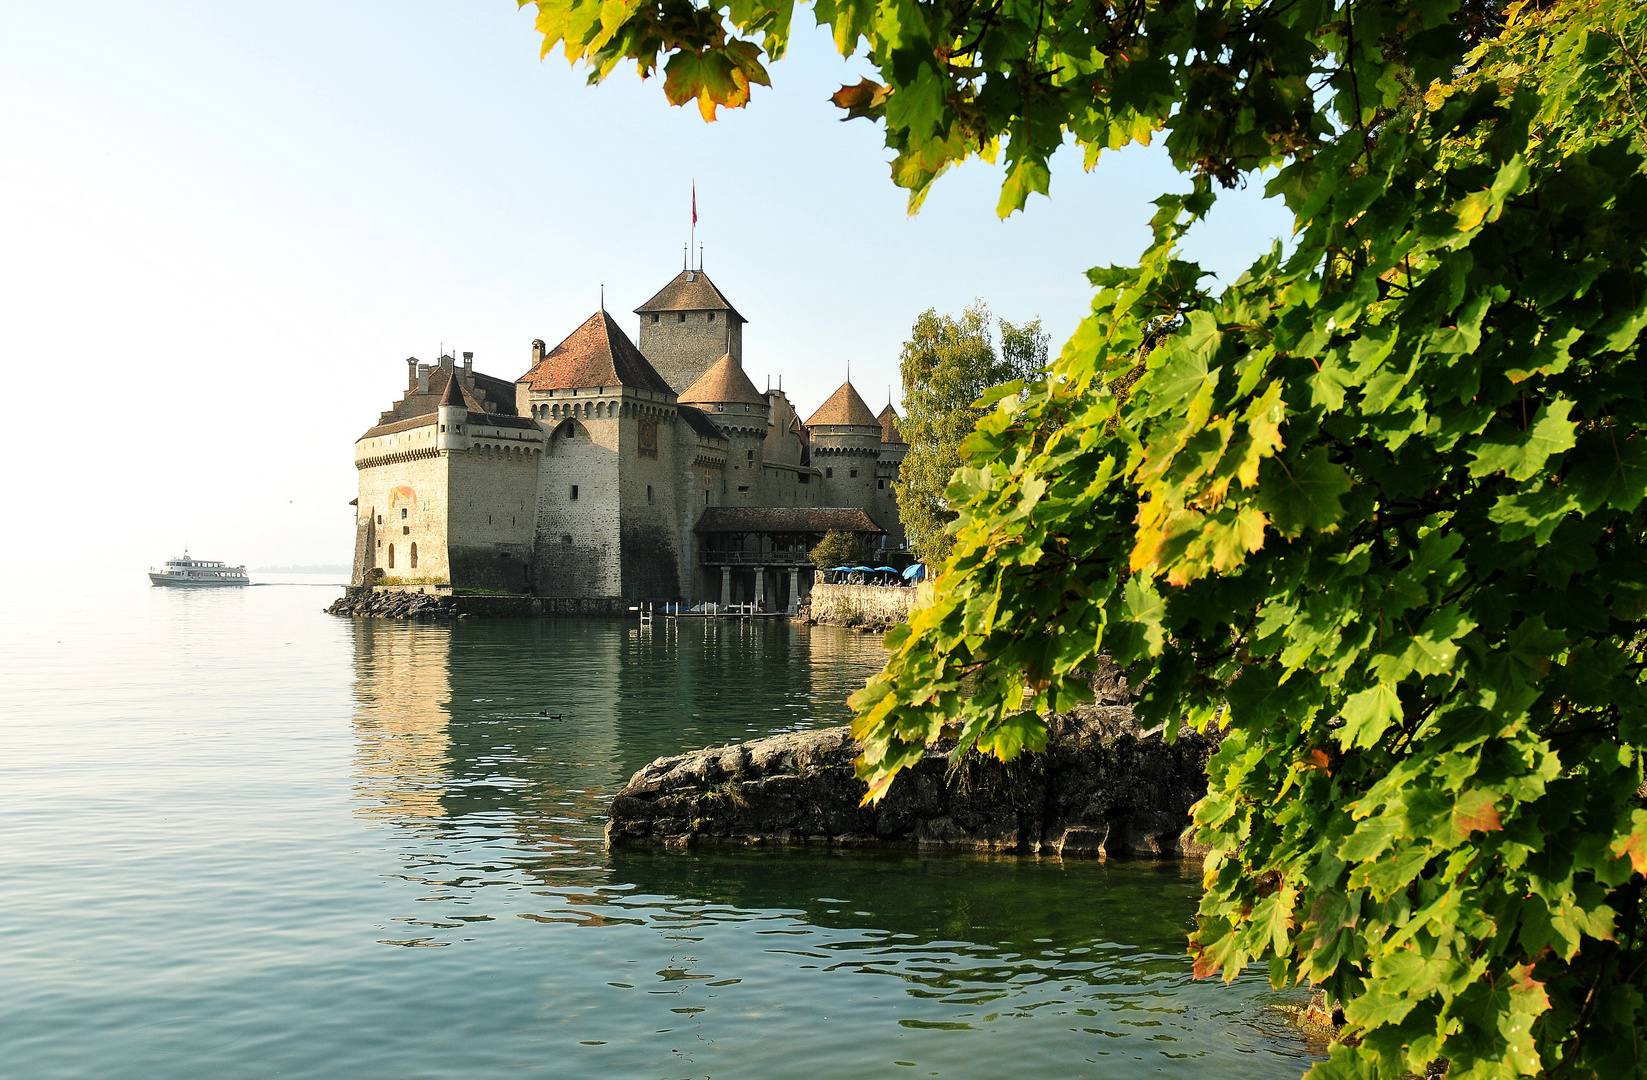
(300, 569)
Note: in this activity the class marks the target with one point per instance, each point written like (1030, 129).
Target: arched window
(391, 556)
(414, 555)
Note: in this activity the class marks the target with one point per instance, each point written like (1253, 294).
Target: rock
(1101, 787)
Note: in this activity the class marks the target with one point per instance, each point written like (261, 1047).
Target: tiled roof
(690, 291)
(725, 381)
(698, 422)
(486, 419)
(453, 394)
(790, 519)
(425, 420)
(889, 426)
(844, 409)
(598, 353)
(500, 396)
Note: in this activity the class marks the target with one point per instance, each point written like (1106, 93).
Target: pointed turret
(452, 416)
(724, 384)
(844, 409)
(889, 427)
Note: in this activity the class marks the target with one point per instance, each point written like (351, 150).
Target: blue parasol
(914, 571)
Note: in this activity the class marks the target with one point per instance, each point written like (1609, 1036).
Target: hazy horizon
(227, 229)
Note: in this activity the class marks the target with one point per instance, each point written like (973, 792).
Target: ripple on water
(244, 838)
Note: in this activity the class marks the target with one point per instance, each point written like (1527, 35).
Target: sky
(224, 228)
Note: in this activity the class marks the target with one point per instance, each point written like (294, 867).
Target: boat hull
(196, 583)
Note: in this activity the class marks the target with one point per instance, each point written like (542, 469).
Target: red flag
(694, 203)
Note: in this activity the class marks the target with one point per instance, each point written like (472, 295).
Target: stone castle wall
(647, 491)
(494, 498)
(577, 539)
(417, 487)
(862, 605)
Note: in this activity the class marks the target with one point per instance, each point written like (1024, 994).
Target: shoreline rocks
(1102, 787)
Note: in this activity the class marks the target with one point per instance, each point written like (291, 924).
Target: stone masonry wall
(682, 351)
(418, 487)
(862, 605)
(577, 540)
(647, 491)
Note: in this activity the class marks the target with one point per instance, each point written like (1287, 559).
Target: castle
(611, 472)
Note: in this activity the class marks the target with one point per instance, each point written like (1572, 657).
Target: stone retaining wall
(862, 605)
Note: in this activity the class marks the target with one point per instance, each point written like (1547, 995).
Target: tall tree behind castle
(949, 363)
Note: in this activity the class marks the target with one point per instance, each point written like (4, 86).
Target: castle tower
(687, 327)
(846, 445)
(606, 514)
(743, 413)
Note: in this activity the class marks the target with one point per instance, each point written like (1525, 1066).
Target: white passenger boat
(187, 571)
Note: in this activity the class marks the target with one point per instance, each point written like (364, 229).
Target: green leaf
(1304, 493)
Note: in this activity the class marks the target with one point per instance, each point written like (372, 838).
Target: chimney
(423, 378)
(538, 349)
(411, 374)
(469, 363)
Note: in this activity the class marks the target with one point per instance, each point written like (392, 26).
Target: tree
(1377, 509)
(948, 364)
(841, 549)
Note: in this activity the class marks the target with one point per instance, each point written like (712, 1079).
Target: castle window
(406, 530)
(829, 474)
(391, 556)
(748, 407)
(566, 538)
(649, 494)
(804, 478)
(574, 493)
(880, 485)
(414, 556)
(750, 454)
(853, 474)
(682, 317)
(403, 513)
(488, 519)
(380, 519)
(654, 318)
(706, 496)
(711, 316)
(743, 487)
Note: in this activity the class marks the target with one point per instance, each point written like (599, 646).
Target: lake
(243, 838)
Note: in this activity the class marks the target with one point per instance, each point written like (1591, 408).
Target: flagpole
(694, 242)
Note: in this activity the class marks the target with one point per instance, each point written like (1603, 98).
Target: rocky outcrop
(406, 604)
(1101, 787)
(393, 605)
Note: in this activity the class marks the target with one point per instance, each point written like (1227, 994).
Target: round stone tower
(846, 445)
(743, 413)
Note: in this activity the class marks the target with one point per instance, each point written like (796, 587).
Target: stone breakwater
(408, 604)
(1101, 787)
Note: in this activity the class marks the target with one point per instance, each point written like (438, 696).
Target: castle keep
(615, 472)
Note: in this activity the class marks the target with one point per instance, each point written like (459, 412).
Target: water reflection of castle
(452, 721)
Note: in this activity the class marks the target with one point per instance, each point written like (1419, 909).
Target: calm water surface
(241, 838)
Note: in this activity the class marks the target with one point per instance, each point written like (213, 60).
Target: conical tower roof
(889, 426)
(844, 409)
(598, 353)
(454, 393)
(724, 382)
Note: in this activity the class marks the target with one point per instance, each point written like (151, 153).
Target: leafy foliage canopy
(948, 364)
(1376, 509)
